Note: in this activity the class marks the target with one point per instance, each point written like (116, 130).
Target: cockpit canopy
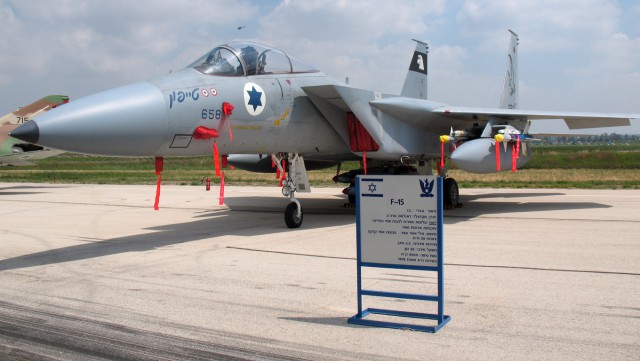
(246, 58)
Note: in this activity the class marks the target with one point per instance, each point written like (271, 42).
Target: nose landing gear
(293, 213)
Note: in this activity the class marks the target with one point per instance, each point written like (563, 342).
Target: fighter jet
(249, 98)
(16, 152)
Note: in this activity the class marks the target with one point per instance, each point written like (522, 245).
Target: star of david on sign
(255, 98)
(372, 187)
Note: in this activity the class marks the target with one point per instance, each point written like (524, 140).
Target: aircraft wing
(416, 111)
(333, 100)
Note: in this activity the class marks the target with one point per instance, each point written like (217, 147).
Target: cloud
(548, 25)
(80, 47)
(575, 54)
(368, 41)
(571, 51)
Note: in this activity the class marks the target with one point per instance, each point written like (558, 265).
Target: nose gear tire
(290, 217)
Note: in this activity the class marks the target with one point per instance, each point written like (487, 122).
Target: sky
(574, 55)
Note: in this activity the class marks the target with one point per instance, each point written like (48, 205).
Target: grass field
(601, 167)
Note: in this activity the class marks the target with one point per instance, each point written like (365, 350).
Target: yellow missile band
(445, 139)
(499, 138)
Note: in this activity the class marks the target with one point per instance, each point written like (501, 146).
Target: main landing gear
(450, 191)
(293, 212)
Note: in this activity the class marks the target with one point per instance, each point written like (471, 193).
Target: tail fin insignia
(415, 84)
(509, 98)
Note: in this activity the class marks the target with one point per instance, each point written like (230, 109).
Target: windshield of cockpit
(243, 59)
(220, 61)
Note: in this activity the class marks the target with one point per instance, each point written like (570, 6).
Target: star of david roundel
(254, 98)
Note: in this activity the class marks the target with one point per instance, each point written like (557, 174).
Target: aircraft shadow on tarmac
(254, 219)
(316, 205)
(208, 224)
(478, 205)
(24, 190)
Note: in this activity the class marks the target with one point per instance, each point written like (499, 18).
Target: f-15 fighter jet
(248, 98)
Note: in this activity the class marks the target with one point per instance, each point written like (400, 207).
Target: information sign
(399, 225)
(399, 220)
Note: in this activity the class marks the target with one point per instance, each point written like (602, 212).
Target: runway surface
(93, 272)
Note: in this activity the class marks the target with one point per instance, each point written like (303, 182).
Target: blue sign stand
(401, 214)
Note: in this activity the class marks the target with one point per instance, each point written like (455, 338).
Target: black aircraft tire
(450, 193)
(290, 216)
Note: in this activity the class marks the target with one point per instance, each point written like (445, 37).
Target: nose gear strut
(293, 212)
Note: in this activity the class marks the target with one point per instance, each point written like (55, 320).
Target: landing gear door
(300, 175)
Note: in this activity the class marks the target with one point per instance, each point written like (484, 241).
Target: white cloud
(78, 47)
(548, 25)
(368, 41)
(575, 54)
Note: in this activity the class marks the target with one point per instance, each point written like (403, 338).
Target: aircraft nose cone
(28, 132)
(125, 121)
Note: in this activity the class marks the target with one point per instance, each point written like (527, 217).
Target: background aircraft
(247, 98)
(16, 152)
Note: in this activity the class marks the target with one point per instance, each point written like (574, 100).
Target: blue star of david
(254, 98)
(372, 187)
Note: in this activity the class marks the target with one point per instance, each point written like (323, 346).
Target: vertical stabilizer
(509, 98)
(415, 84)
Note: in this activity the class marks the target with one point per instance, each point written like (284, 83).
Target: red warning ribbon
(216, 159)
(204, 133)
(441, 164)
(159, 169)
(156, 205)
(497, 156)
(227, 110)
(222, 189)
(514, 158)
(364, 161)
(284, 172)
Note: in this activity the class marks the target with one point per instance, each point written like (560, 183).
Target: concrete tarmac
(93, 272)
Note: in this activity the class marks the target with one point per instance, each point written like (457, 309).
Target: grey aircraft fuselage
(283, 120)
(273, 112)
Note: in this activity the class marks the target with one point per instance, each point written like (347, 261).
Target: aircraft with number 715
(247, 100)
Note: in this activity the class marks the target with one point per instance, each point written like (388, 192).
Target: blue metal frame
(440, 317)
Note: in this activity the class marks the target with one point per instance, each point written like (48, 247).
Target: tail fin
(415, 84)
(509, 98)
